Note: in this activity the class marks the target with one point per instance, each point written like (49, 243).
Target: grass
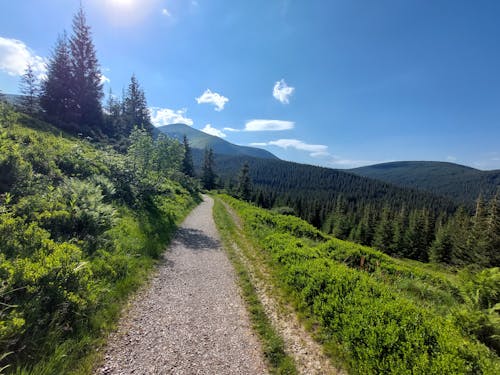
(364, 313)
(272, 344)
(140, 237)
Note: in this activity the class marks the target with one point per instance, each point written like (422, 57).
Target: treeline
(70, 96)
(402, 222)
(380, 315)
(455, 239)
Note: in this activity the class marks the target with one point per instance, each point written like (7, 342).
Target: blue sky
(333, 83)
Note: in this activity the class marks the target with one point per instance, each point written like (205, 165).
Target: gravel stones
(190, 319)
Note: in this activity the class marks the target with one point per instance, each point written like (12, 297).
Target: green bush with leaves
(383, 315)
(78, 233)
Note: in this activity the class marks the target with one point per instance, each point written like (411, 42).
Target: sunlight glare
(128, 12)
(125, 3)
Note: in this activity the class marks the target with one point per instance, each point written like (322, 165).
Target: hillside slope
(377, 314)
(79, 231)
(299, 185)
(200, 140)
(460, 183)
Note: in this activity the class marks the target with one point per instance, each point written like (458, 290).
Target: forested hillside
(377, 314)
(457, 182)
(400, 221)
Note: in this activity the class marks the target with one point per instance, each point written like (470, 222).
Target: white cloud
(314, 150)
(299, 145)
(165, 12)
(268, 125)
(166, 116)
(231, 130)
(15, 57)
(282, 91)
(451, 158)
(209, 97)
(212, 131)
(258, 144)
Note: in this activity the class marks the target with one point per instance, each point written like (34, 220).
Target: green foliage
(244, 188)
(385, 315)
(77, 237)
(208, 174)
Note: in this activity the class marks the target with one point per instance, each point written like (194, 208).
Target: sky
(338, 83)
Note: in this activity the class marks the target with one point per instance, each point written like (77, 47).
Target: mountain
(201, 140)
(313, 191)
(11, 98)
(457, 182)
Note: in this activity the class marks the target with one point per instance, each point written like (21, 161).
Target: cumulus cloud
(258, 144)
(231, 130)
(282, 91)
(166, 116)
(209, 97)
(268, 125)
(15, 57)
(299, 145)
(314, 150)
(213, 131)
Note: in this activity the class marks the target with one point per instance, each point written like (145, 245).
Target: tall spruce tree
(113, 116)
(478, 235)
(136, 112)
(244, 190)
(208, 175)
(30, 90)
(383, 234)
(187, 160)
(442, 248)
(55, 98)
(493, 231)
(86, 85)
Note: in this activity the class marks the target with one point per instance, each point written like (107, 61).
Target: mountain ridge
(458, 182)
(201, 140)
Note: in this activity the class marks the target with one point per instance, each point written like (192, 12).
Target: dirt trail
(308, 354)
(191, 318)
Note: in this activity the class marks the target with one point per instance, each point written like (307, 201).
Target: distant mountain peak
(202, 140)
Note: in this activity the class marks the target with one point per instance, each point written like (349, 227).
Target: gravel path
(191, 318)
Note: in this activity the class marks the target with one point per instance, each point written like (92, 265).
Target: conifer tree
(461, 228)
(415, 237)
(187, 160)
(341, 225)
(56, 99)
(136, 112)
(113, 117)
(383, 234)
(493, 231)
(244, 190)
(86, 86)
(399, 228)
(208, 174)
(442, 248)
(30, 89)
(365, 228)
(477, 241)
